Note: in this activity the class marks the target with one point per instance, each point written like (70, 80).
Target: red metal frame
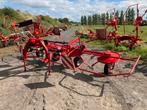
(132, 39)
(4, 40)
(71, 55)
(39, 28)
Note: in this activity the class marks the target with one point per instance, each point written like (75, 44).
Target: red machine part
(71, 56)
(113, 23)
(36, 44)
(38, 29)
(109, 35)
(13, 26)
(4, 40)
(132, 39)
(109, 57)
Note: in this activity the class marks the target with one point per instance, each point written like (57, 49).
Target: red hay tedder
(132, 39)
(75, 56)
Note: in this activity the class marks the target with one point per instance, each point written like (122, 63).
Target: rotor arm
(144, 13)
(95, 53)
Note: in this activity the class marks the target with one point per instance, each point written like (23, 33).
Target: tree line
(101, 19)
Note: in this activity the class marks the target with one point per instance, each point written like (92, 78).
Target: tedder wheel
(78, 61)
(56, 55)
(40, 53)
(108, 68)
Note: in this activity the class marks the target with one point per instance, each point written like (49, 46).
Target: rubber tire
(45, 42)
(77, 60)
(56, 53)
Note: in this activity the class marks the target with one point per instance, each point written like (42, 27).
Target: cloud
(2, 3)
(75, 8)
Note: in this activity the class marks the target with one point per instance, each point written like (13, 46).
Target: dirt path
(7, 51)
(66, 90)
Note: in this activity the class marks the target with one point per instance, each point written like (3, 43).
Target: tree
(121, 17)
(98, 19)
(82, 20)
(132, 13)
(89, 20)
(85, 20)
(64, 20)
(129, 16)
(103, 18)
(110, 15)
(107, 16)
(93, 20)
(117, 15)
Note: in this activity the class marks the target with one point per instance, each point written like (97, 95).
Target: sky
(72, 9)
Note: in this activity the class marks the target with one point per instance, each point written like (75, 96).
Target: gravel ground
(68, 90)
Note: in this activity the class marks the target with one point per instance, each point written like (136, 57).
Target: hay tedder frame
(71, 55)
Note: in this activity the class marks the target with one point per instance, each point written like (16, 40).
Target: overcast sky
(73, 9)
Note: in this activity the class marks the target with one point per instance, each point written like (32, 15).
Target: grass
(139, 50)
(19, 16)
(48, 21)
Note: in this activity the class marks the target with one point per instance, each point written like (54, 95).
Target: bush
(11, 13)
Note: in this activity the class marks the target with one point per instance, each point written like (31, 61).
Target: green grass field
(139, 50)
